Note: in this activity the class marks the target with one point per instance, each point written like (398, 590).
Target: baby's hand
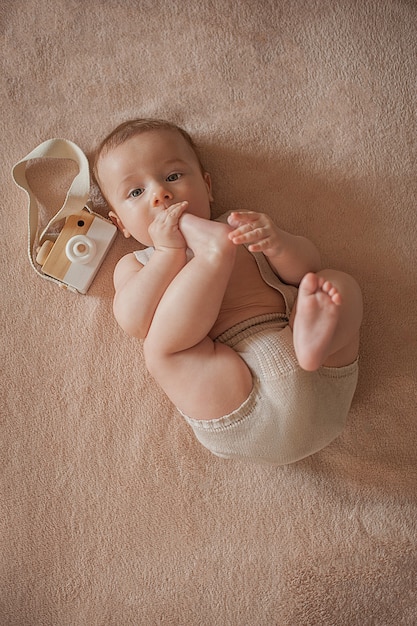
(255, 229)
(164, 230)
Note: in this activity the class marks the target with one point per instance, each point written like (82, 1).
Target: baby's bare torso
(247, 295)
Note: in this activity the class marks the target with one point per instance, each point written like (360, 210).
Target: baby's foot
(316, 318)
(205, 236)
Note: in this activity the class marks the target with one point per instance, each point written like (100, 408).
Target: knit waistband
(248, 327)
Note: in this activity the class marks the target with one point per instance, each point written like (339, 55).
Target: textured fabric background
(111, 513)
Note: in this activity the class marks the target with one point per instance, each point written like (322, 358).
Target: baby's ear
(207, 180)
(118, 222)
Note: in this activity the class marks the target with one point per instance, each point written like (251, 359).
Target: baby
(254, 343)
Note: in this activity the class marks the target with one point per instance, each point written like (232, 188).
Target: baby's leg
(326, 320)
(204, 379)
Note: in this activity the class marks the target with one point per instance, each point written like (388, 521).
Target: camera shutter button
(80, 249)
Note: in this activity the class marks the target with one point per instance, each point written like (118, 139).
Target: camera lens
(80, 223)
(80, 249)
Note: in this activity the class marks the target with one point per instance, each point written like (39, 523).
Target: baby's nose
(160, 195)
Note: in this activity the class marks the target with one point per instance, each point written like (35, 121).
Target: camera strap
(76, 198)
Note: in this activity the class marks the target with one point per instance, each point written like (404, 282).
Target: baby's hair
(131, 128)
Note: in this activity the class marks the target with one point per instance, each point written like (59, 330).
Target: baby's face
(147, 174)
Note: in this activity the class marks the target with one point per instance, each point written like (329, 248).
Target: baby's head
(146, 164)
(131, 128)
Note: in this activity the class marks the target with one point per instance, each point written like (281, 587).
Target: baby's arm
(290, 256)
(140, 288)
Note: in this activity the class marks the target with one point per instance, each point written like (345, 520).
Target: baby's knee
(344, 282)
(349, 289)
(153, 355)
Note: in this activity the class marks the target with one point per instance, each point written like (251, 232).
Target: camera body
(76, 254)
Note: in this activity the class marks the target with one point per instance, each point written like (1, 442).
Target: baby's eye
(135, 193)
(173, 177)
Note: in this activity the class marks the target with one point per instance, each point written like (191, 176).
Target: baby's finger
(238, 218)
(249, 233)
(260, 246)
(242, 229)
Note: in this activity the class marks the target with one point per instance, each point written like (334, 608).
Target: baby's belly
(247, 296)
(227, 319)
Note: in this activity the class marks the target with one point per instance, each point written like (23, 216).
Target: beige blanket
(111, 513)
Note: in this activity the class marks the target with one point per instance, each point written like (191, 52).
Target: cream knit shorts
(290, 413)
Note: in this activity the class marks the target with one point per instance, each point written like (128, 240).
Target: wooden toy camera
(79, 250)
(72, 257)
